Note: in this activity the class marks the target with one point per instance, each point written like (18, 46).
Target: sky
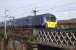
(62, 9)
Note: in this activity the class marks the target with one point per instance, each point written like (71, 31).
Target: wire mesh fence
(61, 38)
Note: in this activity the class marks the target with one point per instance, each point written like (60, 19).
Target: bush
(1, 35)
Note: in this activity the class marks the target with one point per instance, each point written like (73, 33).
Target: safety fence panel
(61, 39)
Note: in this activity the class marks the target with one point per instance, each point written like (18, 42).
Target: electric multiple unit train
(46, 20)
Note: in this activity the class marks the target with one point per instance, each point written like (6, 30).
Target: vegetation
(1, 35)
(31, 39)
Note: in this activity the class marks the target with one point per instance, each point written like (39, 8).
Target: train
(44, 20)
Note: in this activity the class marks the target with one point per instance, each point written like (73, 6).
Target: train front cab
(51, 22)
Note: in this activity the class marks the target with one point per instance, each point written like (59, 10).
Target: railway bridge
(59, 38)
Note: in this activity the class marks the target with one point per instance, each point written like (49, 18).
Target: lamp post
(5, 34)
(35, 12)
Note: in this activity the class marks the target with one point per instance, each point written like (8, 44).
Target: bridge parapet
(60, 39)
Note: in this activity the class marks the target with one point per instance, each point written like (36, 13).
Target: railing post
(10, 44)
(2, 44)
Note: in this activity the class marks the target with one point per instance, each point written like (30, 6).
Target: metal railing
(61, 38)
